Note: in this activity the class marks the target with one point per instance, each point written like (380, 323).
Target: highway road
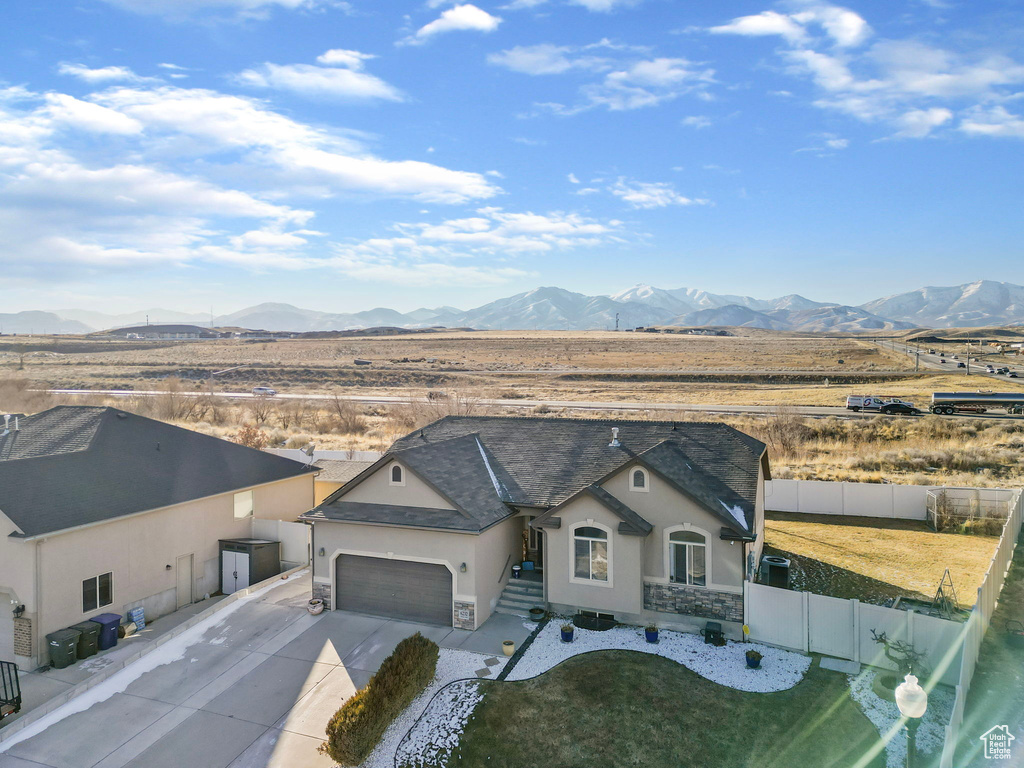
(934, 362)
(652, 408)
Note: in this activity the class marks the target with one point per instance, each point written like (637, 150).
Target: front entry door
(184, 581)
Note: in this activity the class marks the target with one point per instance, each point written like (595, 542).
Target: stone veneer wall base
(693, 601)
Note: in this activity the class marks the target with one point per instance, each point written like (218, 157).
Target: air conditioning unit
(775, 571)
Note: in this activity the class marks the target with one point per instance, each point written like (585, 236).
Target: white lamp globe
(911, 698)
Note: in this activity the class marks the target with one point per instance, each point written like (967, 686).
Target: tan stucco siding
(377, 489)
(498, 549)
(17, 566)
(323, 489)
(624, 593)
(665, 507)
(138, 549)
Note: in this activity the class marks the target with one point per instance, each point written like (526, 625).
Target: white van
(871, 402)
(263, 392)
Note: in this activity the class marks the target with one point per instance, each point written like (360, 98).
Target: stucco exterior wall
(664, 507)
(322, 489)
(623, 594)
(497, 550)
(138, 549)
(377, 489)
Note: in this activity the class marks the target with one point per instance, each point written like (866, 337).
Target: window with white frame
(688, 558)
(590, 554)
(244, 505)
(639, 480)
(97, 592)
(397, 475)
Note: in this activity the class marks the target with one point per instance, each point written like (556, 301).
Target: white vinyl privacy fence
(294, 538)
(908, 502)
(842, 628)
(977, 624)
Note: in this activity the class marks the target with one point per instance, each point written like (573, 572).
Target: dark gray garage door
(398, 589)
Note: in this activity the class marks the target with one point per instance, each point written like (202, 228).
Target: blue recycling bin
(108, 629)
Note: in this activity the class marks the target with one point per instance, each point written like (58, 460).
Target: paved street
(254, 692)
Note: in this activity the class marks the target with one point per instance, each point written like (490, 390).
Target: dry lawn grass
(877, 560)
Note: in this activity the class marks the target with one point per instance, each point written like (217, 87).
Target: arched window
(397, 475)
(638, 480)
(590, 554)
(688, 558)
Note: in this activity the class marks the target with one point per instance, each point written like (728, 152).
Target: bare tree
(908, 660)
(347, 418)
(261, 408)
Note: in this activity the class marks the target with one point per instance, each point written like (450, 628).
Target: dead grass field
(877, 560)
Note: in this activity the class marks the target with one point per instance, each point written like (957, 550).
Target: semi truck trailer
(948, 403)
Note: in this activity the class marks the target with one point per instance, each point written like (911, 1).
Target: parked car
(901, 409)
(263, 392)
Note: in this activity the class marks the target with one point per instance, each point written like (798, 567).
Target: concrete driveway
(254, 692)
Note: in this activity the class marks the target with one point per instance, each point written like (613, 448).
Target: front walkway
(253, 689)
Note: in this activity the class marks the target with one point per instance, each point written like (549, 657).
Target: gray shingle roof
(393, 514)
(482, 464)
(340, 471)
(75, 465)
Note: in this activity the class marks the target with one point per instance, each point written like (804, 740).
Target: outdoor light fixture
(322, 552)
(18, 611)
(167, 567)
(912, 701)
(462, 568)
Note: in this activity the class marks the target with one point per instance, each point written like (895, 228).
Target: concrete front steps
(519, 596)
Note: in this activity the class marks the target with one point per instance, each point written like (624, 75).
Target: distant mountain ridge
(983, 302)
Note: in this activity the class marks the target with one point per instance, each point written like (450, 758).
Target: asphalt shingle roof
(75, 465)
(393, 514)
(482, 464)
(340, 471)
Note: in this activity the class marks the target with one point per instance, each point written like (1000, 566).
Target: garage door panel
(399, 589)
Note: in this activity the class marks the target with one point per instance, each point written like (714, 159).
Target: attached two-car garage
(398, 589)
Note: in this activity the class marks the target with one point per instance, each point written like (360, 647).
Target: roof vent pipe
(7, 423)
(615, 438)
(16, 427)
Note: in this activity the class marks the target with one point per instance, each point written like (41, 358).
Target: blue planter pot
(753, 663)
(567, 635)
(652, 636)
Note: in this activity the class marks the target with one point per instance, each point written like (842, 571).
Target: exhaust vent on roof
(615, 438)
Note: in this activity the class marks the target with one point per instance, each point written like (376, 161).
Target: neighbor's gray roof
(483, 464)
(75, 465)
(340, 470)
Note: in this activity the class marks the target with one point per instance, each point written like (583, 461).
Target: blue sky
(344, 155)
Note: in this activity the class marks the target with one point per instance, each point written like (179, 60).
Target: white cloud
(603, 6)
(84, 115)
(572, 179)
(100, 75)
(341, 57)
(461, 18)
(914, 87)
(241, 9)
(651, 194)
(546, 59)
(289, 152)
(696, 121)
(994, 121)
(437, 252)
(319, 82)
(837, 143)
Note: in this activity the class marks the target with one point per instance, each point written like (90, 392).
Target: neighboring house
(102, 510)
(334, 473)
(646, 521)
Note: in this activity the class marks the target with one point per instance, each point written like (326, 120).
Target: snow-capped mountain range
(982, 303)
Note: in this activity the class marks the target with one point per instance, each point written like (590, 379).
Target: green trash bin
(88, 642)
(63, 647)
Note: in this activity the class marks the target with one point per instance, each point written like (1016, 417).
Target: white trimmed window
(639, 480)
(591, 554)
(688, 558)
(244, 505)
(97, 592)
(397, 476)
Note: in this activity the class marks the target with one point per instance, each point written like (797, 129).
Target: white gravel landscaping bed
(439, 727)
(884, 714)
(724, 665)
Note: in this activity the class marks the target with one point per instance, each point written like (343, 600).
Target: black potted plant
(651, 633)
(567, 632)
(754, 659)
(536, 614)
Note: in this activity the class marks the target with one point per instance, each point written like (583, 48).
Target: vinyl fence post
(807, 620)
(855, 607)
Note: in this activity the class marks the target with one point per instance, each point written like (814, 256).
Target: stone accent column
(323, 592)
(464, 615)
(23, 637)
(693, 601)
